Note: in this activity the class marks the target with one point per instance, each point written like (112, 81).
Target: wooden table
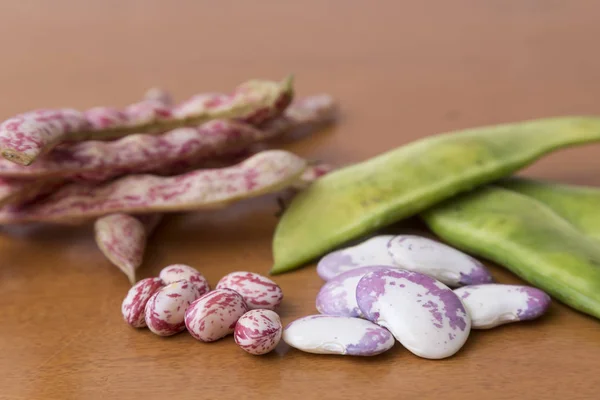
(400, 69)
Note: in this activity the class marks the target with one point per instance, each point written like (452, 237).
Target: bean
(122, 239)
(357, 200)
(325, 334)
(527, 237)
(175, 151)
(338, 295)
(16, 191)
(423, 314)
(214, 315)
(490, 305)
(258, 331)
(178, 272)
(262, 173)
(134, 304)
(166, 308)
(577, 204)
(258, 291)
(25, 137)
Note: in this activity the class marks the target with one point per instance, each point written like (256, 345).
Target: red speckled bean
(134, 305)
(26, 136)
(258, 291)
(214, 315)
(122, 239)
(258, 331)
(14, 191)
(265, 172)
(165, 310)
(175, 150)
(178, 272)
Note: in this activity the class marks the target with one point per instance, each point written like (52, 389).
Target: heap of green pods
(526, 236)
(354, 201)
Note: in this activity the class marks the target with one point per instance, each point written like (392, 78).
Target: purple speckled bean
(370, 252)
(421, 312)
(178, 272)
(325, 334)
(444, 263)
(491, 305)
(165, 310)
(338, 295)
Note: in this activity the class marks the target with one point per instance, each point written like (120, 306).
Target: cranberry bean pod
(178, 272)
(122, 239)
(214, 315)
(258, 331)
(265, 172)
(258, 291)
(134, 304)
(165, 310)
(25, 137)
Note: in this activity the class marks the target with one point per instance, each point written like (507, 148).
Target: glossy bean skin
(357, 200)
(527, 237)
(493, 304)
(577, 204)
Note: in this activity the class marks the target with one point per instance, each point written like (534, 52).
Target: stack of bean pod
(399, 287)
(461, 185)
(126, 167)
(180, 298)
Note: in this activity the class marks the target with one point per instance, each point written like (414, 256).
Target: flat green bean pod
(527, 237)
(354, 201)
(580, 205)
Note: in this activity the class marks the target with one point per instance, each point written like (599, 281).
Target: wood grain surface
(400, 69)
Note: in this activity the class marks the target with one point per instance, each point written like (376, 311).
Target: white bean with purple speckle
(325, 334)
(165, 310)
(423, 314)
(496, 304)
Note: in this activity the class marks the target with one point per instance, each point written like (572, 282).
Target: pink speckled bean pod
(177, 272)
(258, 331)
(122, 239)
(214, 315)
(175, 150)
(265, 172)
(14, 191)
(134, 304)
(26, 136)
(165, 310)
(258, 291)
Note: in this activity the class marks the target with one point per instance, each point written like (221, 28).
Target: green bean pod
(527, 237)
(580, 205)
(354, 201)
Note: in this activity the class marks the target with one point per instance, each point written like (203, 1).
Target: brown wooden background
(400, 69)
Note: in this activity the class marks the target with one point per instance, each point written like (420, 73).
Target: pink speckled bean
(122, 239)
(258, 331)
(165, 310)
(265, 172)
(258, 291)
(171, 152)
(134, 305)
(25, 137)
(177, 272)
(214, 315)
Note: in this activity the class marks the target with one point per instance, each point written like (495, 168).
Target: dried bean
(178, 272)
(527, 237)
(258, 331)
(122, 239)
(134, 305)
(490, 305)
(423, 314)
(258, 291)
(165, 310)
(265, 172)
(357, 200)
(214, 315)
(26, 136)
(325, 334)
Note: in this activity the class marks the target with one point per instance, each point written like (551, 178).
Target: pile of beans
(180, 298)
(399, 287)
